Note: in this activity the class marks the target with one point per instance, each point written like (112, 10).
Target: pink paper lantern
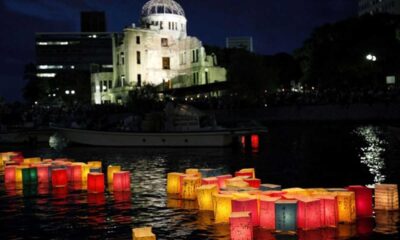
(122, 182)
(59, 178)
(210, 180)
(267, 212)
(309, 213)
(9, 174)
(244, 174)
(247, 205)
(43, 173)
(95, 183)
(329, 211)
(363, 200)
(221, 180)
(241, 226)
(76, 173)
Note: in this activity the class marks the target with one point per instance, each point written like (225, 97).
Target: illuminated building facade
(160, 53)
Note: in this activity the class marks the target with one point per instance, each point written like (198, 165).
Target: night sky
(276, 25)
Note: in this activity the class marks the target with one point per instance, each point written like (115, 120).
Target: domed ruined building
(158, 52)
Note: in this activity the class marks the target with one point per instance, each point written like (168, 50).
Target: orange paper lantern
(386, 197)
(222, 207)
(190, 185)
(143, 234)
(204, 196)
(174, 185)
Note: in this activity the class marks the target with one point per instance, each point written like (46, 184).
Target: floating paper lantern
(222, 207)
(346, 207)
(329, 209)
(236, 182)
(386, 197)
(267, 212)
(110, 172)
(253, 182)
(122, 182)
(255, 141)
(18, 173)
(174, 184)
(309, 213)
(193, 171)
(270, 187)
(29, 176)
(190, 184)
(222, 179)
(94, 164)
(96, 183)
(205, 196)
(247, 205)
(32, 160)
(85, 172)
(241, 226)
(246, 173)
(296, 191)
(285, 215)
(9, 174)
(386, 222)
(17, 158)
(76, 173)
(363, 197)
(59, 178)
(144, 233)
(209, 180)
(275, 193)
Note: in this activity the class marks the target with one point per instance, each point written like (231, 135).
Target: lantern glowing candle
(222, 207)
(386, 197)
(144, 233)
(29, 176)
(247, 205)
(9, 174)
(122, 182)
(241, 226)
(285, 215)
(110, 172)
(190, 184)
(59, 178)
(96, 183)
(309, 213)
(253, 182)
(18, 173)
(222, 179)
(363, 197)
(205, 197)
(267, 212)
(270, 187)
(346, 207)
(174, 184)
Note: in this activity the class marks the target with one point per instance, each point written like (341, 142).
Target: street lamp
(371, 57)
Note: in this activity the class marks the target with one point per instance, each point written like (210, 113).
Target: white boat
(163, 139)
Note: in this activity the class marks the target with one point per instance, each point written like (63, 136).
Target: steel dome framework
(162, 7)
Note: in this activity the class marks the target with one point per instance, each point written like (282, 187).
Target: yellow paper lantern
(174, 184)
(193, 171)
(32, 160)
(346, 206)
(236, 182)
(189, 187)
(85, 172)
(312, 191)
(386, 197)
(249, 170)
(222, 207)
(204, 196)
(110, 172)
(144, 233)
(18, 173)
(94, 164)
(296, 191)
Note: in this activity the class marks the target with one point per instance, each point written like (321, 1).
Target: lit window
(46, 75)
(61, 43)
(50, 67)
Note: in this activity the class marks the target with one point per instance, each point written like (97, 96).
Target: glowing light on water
(371, 155)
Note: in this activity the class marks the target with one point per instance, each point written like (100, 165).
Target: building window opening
(138, 57)
(137, 39)
(139, 80)
(166, 63)
(164, 42)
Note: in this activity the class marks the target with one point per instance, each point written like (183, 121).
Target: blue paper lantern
(286, 215)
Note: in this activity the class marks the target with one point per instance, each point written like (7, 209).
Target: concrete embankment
(354, 112)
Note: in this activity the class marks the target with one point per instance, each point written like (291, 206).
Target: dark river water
(290, 155)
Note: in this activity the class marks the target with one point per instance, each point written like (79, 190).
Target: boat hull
(121, 139)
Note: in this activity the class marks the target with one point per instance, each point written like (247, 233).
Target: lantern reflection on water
(96, 183)
(386, 197)
(76, 172)
(190, 184)
(18, 173)
(241, 226)
(122, 182)
(9, 174)
(363, 196)
(110, 172)
(96, 199)
(386, 222)
(285, 215)
(308, 213)
(59, 178)
(365, 226)
(267, 212)
(174, 182)
(204, 196)
(144, 233)
(29, 176)
(247, 205)
(222, 207)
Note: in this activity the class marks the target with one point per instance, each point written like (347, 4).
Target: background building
(378, 6)
(93, 22)
(240, 42)
(157, 53)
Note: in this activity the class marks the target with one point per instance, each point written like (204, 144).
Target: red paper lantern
(241, 226)
(9, 174)
(253, 182)
(309, 213)
(247, 205)
(210, 180)
(43, 188)
(279, 194)
(221, 180)
(363, 200)
(76, 173)
(267, 212)
(43, 173)
(329, 211)
(244, 174)
(59, 177)
(19, 158)
(122, 182)
(255, 141)
(95, 183)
